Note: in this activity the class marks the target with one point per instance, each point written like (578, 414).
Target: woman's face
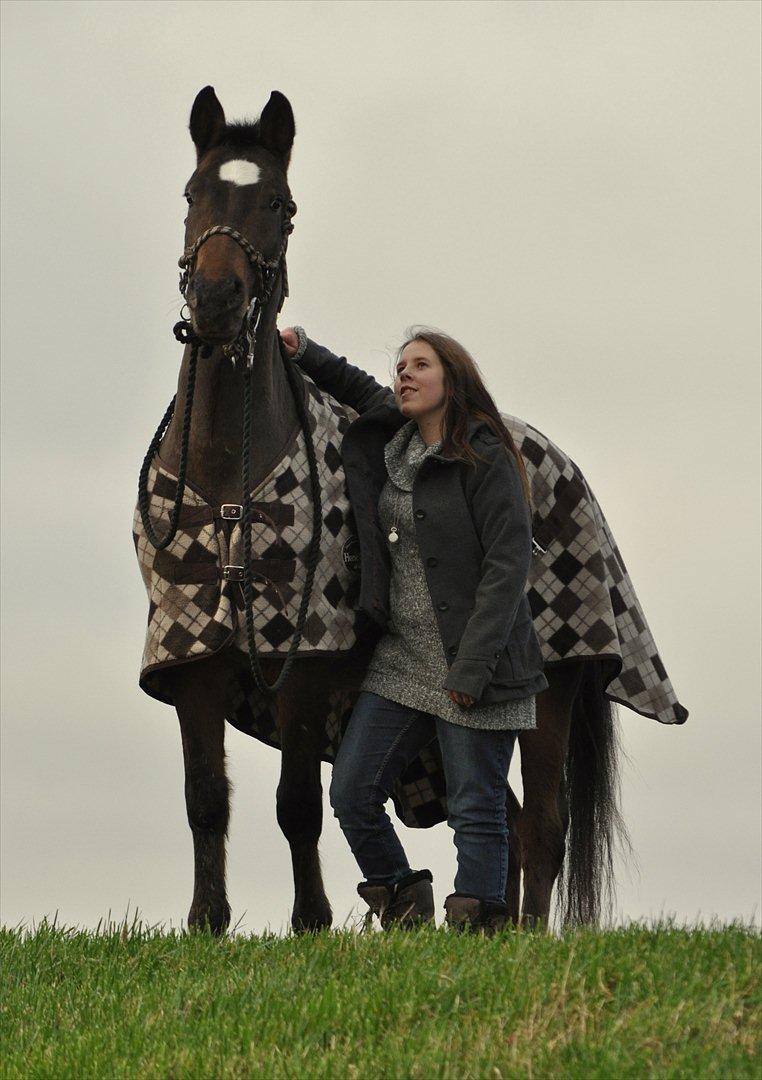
(419, 381)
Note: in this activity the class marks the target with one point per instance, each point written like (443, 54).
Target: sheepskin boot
(408, 903)
(464, 912)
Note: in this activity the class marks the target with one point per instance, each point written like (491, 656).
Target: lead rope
(313, 552)
(143, 496)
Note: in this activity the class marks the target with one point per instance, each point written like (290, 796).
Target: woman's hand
(459, 698)
(290, 340)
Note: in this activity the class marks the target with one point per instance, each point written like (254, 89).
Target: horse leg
(301, 718)
(513, 882)
(199, 701)
(543, 820)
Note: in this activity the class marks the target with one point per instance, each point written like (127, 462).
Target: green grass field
(660, 1001)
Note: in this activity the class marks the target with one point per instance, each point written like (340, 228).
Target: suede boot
(408, 903)
(464, 912)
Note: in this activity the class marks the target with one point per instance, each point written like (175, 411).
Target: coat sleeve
(350, 385)
(504, 524)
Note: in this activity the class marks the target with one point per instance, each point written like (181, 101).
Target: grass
(129, 1001)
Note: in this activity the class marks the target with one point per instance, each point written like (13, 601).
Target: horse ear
(276, 126)
(207, 121)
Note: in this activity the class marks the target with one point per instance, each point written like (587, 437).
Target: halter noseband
(265, 269)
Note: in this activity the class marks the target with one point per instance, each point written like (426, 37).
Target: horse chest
(195, 585)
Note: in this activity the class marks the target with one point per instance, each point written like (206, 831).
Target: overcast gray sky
(571, 189)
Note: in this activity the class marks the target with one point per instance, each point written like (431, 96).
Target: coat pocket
(505, 671)
(523, 649)
(517, 660)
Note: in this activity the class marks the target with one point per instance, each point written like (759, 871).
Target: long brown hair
(466, 396)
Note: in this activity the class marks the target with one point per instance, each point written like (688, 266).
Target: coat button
(432, 560)
(452, 650)
(443, 605)
(420, 514)
(498, 655)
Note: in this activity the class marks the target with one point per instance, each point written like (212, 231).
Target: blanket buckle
(232, 573)
(231, 511)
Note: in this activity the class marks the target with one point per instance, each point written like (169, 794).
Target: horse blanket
(581, 596)
(195, 584)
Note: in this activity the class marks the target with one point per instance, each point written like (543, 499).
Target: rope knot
(186, 335)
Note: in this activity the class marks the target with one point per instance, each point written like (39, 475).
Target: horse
(224, 443)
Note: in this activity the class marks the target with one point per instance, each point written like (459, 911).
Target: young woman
(442, 507)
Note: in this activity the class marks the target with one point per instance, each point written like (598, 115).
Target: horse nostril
(235, 292)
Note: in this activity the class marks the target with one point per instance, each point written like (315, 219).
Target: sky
(571, 190)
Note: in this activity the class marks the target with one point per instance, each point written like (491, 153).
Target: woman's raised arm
(348, 384)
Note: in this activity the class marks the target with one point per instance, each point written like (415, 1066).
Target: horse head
(239, 184)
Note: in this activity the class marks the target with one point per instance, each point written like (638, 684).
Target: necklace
(416, 460)
(394, 533)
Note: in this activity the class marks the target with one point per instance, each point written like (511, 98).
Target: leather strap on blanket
(203, 573)
(263, 513)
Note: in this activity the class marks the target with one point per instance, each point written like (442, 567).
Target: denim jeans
(382, 738)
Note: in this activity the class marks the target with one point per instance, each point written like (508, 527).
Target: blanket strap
(546, 531)
(205, 573)
(274, 514)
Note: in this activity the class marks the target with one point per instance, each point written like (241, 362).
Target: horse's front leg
(301, 718)
(199, 701)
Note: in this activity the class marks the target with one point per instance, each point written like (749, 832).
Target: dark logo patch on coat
(350, 553)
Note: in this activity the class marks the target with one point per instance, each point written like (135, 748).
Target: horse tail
(586, 884)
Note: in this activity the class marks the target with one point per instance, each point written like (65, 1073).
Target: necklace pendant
(393, 535)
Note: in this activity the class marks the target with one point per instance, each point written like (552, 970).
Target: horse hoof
(536, 923)
(319, 917)
(209, 918)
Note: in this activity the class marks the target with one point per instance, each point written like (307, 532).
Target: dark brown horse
(568, 763)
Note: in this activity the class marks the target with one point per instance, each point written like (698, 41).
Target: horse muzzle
(217, 308)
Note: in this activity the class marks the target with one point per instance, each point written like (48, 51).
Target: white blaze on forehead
(240, 172)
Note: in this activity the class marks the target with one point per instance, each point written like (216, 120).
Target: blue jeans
(382, 738)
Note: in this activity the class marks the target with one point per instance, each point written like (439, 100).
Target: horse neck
(216, 435)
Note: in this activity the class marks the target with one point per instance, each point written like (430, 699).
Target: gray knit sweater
(408, 663)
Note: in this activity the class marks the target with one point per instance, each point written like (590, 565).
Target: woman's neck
(430, 428)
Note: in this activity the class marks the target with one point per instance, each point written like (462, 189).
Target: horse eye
(188, 198)
(276, 203)
(291, 207)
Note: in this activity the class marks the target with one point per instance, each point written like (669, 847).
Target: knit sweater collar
(404, 454)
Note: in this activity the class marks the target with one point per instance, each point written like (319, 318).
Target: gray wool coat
(474, 534)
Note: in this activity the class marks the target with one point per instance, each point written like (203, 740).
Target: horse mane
(241, 134)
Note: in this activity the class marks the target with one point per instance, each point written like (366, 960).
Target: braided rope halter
(243, 346)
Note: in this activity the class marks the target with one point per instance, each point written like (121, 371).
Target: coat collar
(405, 452)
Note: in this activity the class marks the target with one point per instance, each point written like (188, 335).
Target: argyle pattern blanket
(580, 593)
(582, 599)
(195, 585)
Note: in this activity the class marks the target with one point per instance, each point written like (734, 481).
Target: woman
(442, 507)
